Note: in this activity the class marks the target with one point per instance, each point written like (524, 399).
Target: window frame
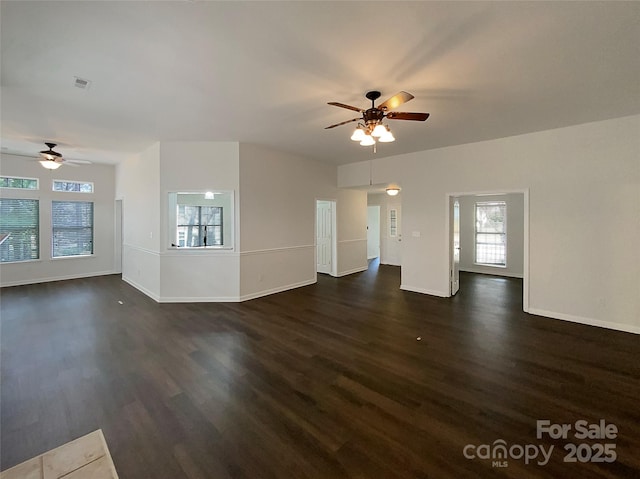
(478, 205)
(229, 219)
(393, 222)
(53, 231)
(21, 188)
(200, 226)
(36, 201)
(53, 186)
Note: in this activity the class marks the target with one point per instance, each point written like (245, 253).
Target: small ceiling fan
(53, 160)
(371, 127)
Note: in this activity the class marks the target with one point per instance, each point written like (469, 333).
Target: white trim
(491, 273)
(276, 250)
(627, 328)
(352, 240)
(141, 288)
(198, 251)
(140, 248)
(431, 292)
(351, 271)
(279, 289)
(56, 278)
(225, 299)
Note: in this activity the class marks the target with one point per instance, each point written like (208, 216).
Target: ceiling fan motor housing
(372, 117)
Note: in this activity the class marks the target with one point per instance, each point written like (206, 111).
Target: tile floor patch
(83, 458)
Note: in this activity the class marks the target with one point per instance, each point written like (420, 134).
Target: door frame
(448, 236)
(334, 237)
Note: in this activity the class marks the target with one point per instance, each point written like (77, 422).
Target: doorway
(467, 243)
(325, 237)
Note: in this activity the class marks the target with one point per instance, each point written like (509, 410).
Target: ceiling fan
(370, 126)
(53, 160)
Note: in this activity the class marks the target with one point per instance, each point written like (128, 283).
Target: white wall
(515, 235)
(274, 232)
(202, 274)
(138, 186)
(278, 205)
(46, 268)
(584, 205)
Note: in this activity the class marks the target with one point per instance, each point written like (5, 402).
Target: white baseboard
(55, 278)
(627, 328)
(430, 292)
(493, 273)
(141, 288)
(217, 299)
(279, 289)
(352, 271)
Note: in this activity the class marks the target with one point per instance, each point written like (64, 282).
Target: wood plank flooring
(326, 381)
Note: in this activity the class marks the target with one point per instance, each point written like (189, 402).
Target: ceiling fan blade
(348, 107)
(395, 101)
(78, 162)
(401, 115)
(343, 123)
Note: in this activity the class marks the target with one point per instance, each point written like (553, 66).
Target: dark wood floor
(326, 381)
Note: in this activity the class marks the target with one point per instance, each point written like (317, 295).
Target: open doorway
(390, 226)
(326, 237)
(491, 236)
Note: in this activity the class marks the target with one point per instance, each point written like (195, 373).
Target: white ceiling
(263, 72)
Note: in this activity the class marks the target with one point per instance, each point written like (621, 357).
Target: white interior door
(455, 246)
(324, 236)
(373, 232)
(394, 234)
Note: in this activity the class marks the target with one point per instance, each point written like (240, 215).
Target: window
(21, 183)
(199, 226)
(201, 219)
(19, 233)
(393, 223)
(72, 228)
(491, 233)
(75, 186)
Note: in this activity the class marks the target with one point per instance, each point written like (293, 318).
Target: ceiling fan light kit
(50, 164)
(371, 128)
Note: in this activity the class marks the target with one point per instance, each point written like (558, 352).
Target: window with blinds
(72, 223)
(491, 233)
(19, 232)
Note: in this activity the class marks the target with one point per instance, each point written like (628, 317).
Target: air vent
(82, 83)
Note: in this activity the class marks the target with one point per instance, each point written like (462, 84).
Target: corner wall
(584, 205)
(138, 186)
(278, 196)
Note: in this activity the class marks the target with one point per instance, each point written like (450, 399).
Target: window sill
(200, 248)
(22, 261)
(491, 265)
(77, 256)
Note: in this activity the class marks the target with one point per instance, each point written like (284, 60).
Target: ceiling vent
(82, 83)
